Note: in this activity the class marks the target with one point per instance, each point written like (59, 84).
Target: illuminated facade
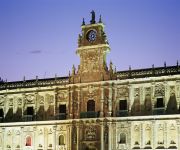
(95, 107)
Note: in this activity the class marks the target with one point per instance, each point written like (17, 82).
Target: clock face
(91, 36)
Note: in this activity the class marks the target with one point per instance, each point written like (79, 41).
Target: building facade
(95, 107)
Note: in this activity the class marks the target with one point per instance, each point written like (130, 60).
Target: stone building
(95, 107)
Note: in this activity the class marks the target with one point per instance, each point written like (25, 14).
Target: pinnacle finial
(83, 22)
(93, 21)
(152, 65)
(177, 63)
(164, 64)
(100, 19)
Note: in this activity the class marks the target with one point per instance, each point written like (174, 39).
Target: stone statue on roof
(92, 17)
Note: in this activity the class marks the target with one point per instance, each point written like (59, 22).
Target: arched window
(122, 138)
(91, 105)
(28, 141)
(61, 140)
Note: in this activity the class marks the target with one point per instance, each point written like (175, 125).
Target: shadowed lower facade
(95, 107)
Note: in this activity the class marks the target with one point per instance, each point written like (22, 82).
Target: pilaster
(131, 97)
(154, 135)
(71, 104)
(165, 136)
(178, 134)
(69, 134)
(22, 138)
(79, 103)
(110, 101)
(166, 94)
(54, 133)
(102, 135)
(142, 135)
(109, 136)
(78, 140)
(153, 94)
(34, 138)
(3, 140)
(102, 102)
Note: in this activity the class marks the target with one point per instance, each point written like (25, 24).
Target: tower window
(28, 141)
(30, 111)
(123, 105)
(62, 109)
(91, 105)
(159, 103)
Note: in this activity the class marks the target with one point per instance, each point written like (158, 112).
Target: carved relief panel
(122, 92)
(30, 99)
(159, 90)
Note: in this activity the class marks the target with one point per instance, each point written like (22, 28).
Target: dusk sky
(39, 37)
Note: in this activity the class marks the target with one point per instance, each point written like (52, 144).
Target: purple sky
(39, 37)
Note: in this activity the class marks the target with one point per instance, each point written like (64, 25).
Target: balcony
(122, 113)
(61, 116)
(159, 111)
(28, 118)
(89, 114)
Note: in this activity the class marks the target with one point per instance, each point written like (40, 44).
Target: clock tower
(92, 50)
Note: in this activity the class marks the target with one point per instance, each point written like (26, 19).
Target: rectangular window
(123, 105)
(30, 111)
(62, 109)
(1, 113)
(159, 103)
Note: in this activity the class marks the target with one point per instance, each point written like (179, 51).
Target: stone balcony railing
(122, 113)
(89, 114)
(61, 116)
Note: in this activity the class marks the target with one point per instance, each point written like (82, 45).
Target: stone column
(102, 136)
(109, 136)
(110, 101)
(102, 102)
